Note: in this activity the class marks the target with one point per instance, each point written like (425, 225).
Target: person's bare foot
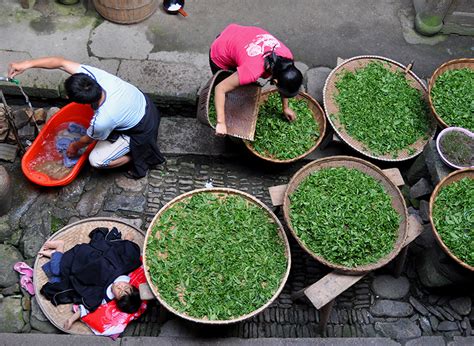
(128, 236)
(46, 253)
(57, 245)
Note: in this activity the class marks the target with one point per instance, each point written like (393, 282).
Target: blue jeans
(52, 269)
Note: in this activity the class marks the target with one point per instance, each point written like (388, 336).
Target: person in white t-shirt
(125, 121)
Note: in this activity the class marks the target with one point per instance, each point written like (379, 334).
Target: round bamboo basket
(126, 12)
(451, 178)
(330, 106)
(73, 234)
(398, 203)
(318, 115)
(455, 64)
(250, 198)
(205, 95)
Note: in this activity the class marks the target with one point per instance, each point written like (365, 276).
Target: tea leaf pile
(216, 256)
(276, 137)
(453, 97)
(212, 114)
(380, 109)
(344, 216)
(453, 216)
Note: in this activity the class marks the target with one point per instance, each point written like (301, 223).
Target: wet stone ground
(378, 305)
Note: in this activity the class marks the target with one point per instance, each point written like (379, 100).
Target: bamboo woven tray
(447, 66)
(451, 178)
(73, 234)
(318, 115)
(330, 106)
(251, 199)
(363, 166)
(241, 106)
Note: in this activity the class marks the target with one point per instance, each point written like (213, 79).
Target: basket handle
(409, 66)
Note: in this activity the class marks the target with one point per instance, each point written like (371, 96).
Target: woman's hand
(221, 129)
(289, 114)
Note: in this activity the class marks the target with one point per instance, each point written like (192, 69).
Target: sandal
(26, 283)
(23, 269)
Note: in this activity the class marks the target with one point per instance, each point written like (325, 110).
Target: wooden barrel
(126, 11)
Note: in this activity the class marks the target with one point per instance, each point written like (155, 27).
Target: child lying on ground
(127, 296)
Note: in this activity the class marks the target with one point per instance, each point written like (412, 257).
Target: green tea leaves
(277, 138)
(453, 97)
(380, 109)
(453, 216)
(224, 256)
(344, 216)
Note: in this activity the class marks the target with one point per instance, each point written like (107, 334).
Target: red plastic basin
(73, 112)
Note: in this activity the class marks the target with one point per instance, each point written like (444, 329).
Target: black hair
(289, 78)
(82, 88)
(130, 303)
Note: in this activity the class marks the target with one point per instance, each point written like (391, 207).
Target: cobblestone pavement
(378, 305)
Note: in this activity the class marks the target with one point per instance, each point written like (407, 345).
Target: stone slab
(436, 167)
(126, 36)
(165, 81)
(260, 341)
(179, 136)
(427, 341)
(8, 152)
(316, 77)
(7, 339)
(386, 286)
(462, 341)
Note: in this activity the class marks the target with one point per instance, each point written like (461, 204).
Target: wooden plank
(145, 292)
(394, 175)
(277, 194)
(329, 287)
(415, 228)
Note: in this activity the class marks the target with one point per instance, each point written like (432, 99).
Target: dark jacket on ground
(88, 269)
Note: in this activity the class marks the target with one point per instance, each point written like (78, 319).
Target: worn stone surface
(386, 286)
(438, 170)
(425, 211)
(39, 321)
(391, 308)
(11, 316)
(401, 329)
(422, 188)
(426, 341)
(6, 230)
(9, 255)
(418, 306)
(123, 202)
(417, 170)
(316, 77)
(461, 305)
(447, 326)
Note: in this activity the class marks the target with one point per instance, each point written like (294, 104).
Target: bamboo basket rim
(318, 117)
(453, 64)
(398, 203)
(446, 181)
(57, 314)
(359, 146)
(281, 234)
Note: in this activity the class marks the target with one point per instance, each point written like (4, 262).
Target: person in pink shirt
(252, 53)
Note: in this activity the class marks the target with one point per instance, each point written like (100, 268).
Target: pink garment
(243, 47)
